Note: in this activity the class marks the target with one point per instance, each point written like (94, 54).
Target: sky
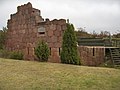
(92, 15)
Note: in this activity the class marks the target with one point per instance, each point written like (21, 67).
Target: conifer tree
(69, 53)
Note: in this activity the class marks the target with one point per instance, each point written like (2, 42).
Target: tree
(2, 37)
(69, 53)
(81, 33)
(117, 35)
(94, 34)
(104, 34)
(42, 51)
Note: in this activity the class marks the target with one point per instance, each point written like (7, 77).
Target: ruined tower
(26, 27)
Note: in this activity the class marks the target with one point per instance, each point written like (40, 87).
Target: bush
(42, 51)
(108, 64)
(4, 53)
(2, 37)
(12, 55)
(16, 55)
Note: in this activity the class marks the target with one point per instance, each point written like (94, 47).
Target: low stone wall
(91, 55)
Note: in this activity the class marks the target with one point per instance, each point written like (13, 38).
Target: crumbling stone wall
(26, 27)
(92, 55)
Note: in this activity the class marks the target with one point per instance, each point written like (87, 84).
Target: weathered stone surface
(23, 32)
(53, 39)
(57, 45)
(50, 33)
(57, 33)
(92, 56)
(52, 27)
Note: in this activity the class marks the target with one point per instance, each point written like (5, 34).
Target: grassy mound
(25, 75)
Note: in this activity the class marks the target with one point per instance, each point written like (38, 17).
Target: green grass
(26, 75)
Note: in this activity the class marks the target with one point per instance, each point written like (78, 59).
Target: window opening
(28, 50)
(93, 51)
(41, 30)
(59, 51)
(50, 50)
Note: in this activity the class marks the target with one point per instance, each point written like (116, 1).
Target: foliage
(116, 35)
(81, 33)
(12, 55)
(69, 53)
(2, 37)
(4, 53)
(108, 64)
(16, 55)
(104, 34)
(42, 51)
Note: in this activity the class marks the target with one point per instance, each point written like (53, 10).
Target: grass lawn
(26, 75)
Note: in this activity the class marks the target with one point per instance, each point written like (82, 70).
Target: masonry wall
(53, 36)
(26, 27)
(92, 56)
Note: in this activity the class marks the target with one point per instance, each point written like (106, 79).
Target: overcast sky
(95, 15)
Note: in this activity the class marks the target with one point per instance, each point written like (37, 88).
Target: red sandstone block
(58, 27)
(53, 39)
(57, 33)
(50, 33)
(57, 45)
(61, 21)
(60, 39)
(51, 45)
(48, 39)
(37, 19)
(55, 21)
(56, 55)
(54, 49)
(52, 27)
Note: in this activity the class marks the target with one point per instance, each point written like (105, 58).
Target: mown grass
(26, 75)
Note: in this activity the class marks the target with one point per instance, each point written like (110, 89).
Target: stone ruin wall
(27, 27)
(91, 55)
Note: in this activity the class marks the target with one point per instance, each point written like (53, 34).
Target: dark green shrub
(108, 63)
(3, 37)
(4, 53)
(69, 53)
(42, 51)
(16, 55)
